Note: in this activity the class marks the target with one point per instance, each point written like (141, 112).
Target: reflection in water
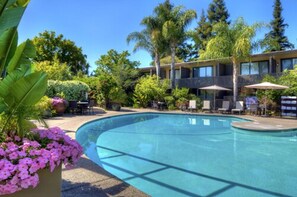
(192, 155)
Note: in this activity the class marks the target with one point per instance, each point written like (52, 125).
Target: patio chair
(192, 105)
(225, 107)
(155, 105)
(73, 107)
(238, 107)
(253, 109)
(206, 105)
(91, 106)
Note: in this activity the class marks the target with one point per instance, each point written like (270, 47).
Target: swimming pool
(192, 155)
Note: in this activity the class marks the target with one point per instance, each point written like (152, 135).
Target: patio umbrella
(267, 86)
(214, 88)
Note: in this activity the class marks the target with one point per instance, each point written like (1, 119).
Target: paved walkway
(88, 179)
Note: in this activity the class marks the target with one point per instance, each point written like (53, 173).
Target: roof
(273, 53)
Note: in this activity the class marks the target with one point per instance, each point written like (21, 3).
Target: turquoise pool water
(192, 155)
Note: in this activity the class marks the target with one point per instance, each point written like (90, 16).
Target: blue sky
(100, 25)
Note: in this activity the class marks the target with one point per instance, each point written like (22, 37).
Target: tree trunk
(157, 65)
(235, 81)
(172, 67)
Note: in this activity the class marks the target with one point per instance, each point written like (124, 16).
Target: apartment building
(194, 75)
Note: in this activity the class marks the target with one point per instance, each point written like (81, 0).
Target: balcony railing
(224, 81)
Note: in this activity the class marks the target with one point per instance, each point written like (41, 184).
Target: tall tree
(50, 46)
(202, 32)
(232, 42)
(150, 39)
(276, 40)
(120, 67)
(217, 12)
(176, 19)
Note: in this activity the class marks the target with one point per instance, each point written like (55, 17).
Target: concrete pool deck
(88, 179)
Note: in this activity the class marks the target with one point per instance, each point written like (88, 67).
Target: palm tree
(232, 42)
(175, 20)
(149, 39)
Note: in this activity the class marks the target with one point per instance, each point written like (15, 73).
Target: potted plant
(59, 105)
(27, 154)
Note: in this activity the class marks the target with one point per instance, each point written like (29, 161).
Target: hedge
(72, 90)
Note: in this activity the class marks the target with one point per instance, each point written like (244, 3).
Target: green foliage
(167, 60)
(54, 70)
(109, 90)
(232, 42)
(73, 90)
(19, 90)
(123, 70)
(217, 12)
(117, 76)
(187, 52)
(178, 93)
(170, 101)
(92, 82)
(276, 40)
(149, 89)
(50, 47)
(202, 32)
(43, 107)
(175, 21)
(289, 78)
(21, 87)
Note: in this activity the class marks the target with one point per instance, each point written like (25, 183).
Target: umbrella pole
(214, 101)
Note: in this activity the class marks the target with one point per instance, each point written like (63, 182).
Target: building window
(205, 71)
(288, 64)
(177, 74)
(254, 68)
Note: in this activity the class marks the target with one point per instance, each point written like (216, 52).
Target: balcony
(225, 81)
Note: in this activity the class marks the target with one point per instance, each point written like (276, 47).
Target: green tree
(148, 89)
(50, 46)
(150, 39)
(176, 19)
(92, 82)
(289, 78)
(217, 12)
(187, 52)
(276, 40)
(201, 34)
(54, 70)
(123, 70)
(232, 42)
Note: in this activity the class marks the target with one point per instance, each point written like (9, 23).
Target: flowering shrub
(20, 159)
(57, 100)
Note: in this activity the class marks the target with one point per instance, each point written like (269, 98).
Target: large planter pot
(49, 185)
(60, 108)
(116, 107)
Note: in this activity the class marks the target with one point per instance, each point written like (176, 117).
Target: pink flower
(13, 156)
(4, 174)
(20, 159)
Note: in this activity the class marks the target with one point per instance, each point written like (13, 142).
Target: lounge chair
(225, 107)
(192, 105)
(253, 109)
(206, 105)
(238, 108)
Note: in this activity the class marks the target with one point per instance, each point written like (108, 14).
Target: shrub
(148, 89)
(92, 82)
(44, 106)
(54, 70)
(170, 102)
(73, 90)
